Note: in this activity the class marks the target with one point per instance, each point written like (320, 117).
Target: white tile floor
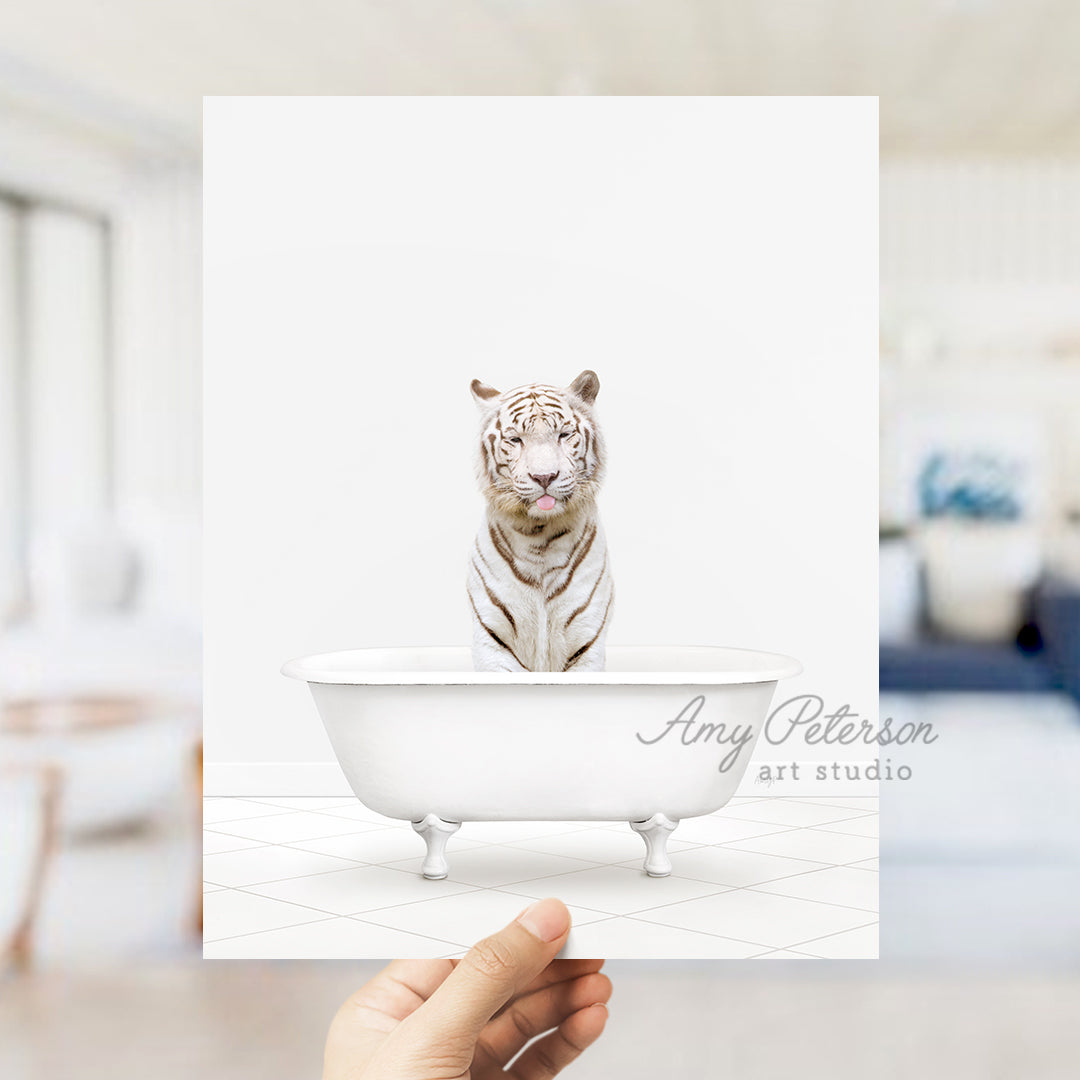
(323, 877)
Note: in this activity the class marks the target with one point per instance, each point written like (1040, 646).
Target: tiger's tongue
(545, 502)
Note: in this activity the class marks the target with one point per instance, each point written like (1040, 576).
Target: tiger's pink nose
(545, 479)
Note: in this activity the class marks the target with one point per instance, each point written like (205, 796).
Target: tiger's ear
(586, 386)
(483, 395)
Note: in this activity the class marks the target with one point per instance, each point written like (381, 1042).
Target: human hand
(465, 1020)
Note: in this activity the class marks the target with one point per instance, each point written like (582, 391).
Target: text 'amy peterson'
(803, 715)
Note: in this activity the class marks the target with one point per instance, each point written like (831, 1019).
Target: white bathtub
(422, 737)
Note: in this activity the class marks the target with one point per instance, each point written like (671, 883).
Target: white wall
(714, 260)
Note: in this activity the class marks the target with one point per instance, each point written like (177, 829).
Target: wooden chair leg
(21, 949)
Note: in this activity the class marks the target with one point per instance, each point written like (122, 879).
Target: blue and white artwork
(976, 485)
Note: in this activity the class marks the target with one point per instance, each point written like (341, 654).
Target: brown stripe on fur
(551, 539)
(494, 637)
(596, 585)
(503, 549)
(575, 657)
(476, 544)
(570, 557)
(494, 599)
(577, 562)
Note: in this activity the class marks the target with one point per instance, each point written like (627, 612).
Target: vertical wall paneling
(67, 392)
(980, 222)
(11, 436)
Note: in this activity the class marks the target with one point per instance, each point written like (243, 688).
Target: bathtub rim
(317, 668)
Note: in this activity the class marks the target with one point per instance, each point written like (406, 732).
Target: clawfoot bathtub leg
(655, 833)
(436, 832)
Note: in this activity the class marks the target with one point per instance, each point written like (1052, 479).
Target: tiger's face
(541, 453)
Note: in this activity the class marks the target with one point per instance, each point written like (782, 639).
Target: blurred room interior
(100, 110)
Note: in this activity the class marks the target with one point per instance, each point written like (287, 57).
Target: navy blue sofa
(1045, 656)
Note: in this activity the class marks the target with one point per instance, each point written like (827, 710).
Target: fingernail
(546, 919)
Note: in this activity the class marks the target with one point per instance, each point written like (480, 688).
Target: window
(56, 426)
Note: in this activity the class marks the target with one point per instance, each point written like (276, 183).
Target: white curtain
(11, 516)
(158, 384)
(67, 382)
(55, 418)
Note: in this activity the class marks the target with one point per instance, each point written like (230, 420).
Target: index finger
(492, 972)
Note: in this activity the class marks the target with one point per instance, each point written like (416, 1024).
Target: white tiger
(539, 582)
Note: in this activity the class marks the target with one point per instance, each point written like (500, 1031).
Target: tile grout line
(721, 889)
(630, 917)
(252, 933)
(778, 831)
(709, 934)
(782, 877)
(413, 933)
(817, 824)
(743, 941)
(751, 851)
(809, 900)
(752, 889)
(685, 930)
(587, 864)
(465, 945)
(825, 937)
(339, 915)
(295, 877)
(720, 886)
(717, 891)
(609, 917)
(840, 832)
(333, 918)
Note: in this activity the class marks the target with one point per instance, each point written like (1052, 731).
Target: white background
(713, 259)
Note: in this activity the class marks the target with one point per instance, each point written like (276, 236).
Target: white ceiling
(954, 76)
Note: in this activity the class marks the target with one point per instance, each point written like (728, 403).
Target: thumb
(492, 972)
